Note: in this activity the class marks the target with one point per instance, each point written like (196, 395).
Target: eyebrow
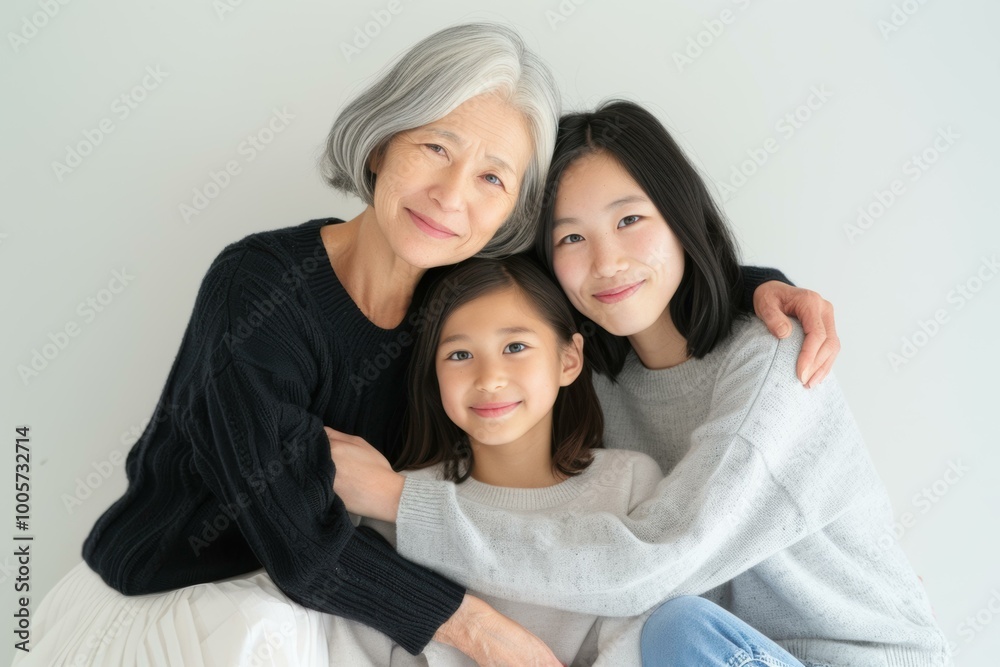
(498, 162)
(621, 201)
(506, 331)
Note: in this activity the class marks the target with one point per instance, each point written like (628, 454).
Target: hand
(773, 300)
(364, 480)
(492, 639)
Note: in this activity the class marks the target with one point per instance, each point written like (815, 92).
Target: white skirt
(243, 621)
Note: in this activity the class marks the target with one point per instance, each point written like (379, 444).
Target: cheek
(400, 171)
(491, 212)
(570, 273)
(662, 251)
(451, 386)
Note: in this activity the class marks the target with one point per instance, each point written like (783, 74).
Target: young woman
(771, 507)
(502, 405)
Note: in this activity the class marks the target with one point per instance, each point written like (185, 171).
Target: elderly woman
(307, 326)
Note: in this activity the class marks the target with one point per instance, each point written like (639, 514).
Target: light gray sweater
(615, 483)
(771, 507)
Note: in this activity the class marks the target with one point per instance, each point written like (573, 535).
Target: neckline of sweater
(545, 497)
(692, 375)
(342, 312)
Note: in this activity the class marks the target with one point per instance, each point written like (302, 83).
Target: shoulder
(751, 353)
(757, 388)
(264, 267)
(271, 254)
(632, 476)
(252, 293)
(625, 463)
(434, 472)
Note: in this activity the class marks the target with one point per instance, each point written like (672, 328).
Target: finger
(816, 335)
(825, 358)
(340, 436)
(819, 376)
(830, 349)
(775, 320)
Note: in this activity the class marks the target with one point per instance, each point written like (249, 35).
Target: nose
(607, 258)
(491, 377)
(448, 189)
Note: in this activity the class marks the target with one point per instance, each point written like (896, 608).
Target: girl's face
(442, 190)
(500, 366)
(612, 252)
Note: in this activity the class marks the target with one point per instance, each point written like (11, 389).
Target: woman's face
(613, 253)
(442, 190)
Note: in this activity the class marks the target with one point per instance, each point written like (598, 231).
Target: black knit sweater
(233, 471)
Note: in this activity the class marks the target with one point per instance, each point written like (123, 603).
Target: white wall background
(895, 74)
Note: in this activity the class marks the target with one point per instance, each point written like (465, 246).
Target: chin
(623, 328)
(425, 256)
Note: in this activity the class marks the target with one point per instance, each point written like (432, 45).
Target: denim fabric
(691, 631)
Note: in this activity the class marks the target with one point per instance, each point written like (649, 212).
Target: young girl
(771, 508)
(502, 404)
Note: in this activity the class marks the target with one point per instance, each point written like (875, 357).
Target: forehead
(595, 180)
(503, 308)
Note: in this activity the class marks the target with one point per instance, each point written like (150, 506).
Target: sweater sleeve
(262, 451)
(754, 277)
(774, 462)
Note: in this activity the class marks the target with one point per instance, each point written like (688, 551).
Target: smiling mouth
(618, 293)
(494, 409)
(429, 227)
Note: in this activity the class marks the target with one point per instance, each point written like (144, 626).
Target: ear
(572, 361)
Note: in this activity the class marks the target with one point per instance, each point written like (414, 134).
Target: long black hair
(431, 437)
(707, 301)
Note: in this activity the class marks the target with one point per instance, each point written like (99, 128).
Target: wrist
(393, 491)
(460, 630)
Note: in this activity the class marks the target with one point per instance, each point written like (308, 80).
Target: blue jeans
(691, 631)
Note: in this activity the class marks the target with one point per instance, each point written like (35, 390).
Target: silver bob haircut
(427, 83)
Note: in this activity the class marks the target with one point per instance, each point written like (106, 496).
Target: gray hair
(427, 83)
